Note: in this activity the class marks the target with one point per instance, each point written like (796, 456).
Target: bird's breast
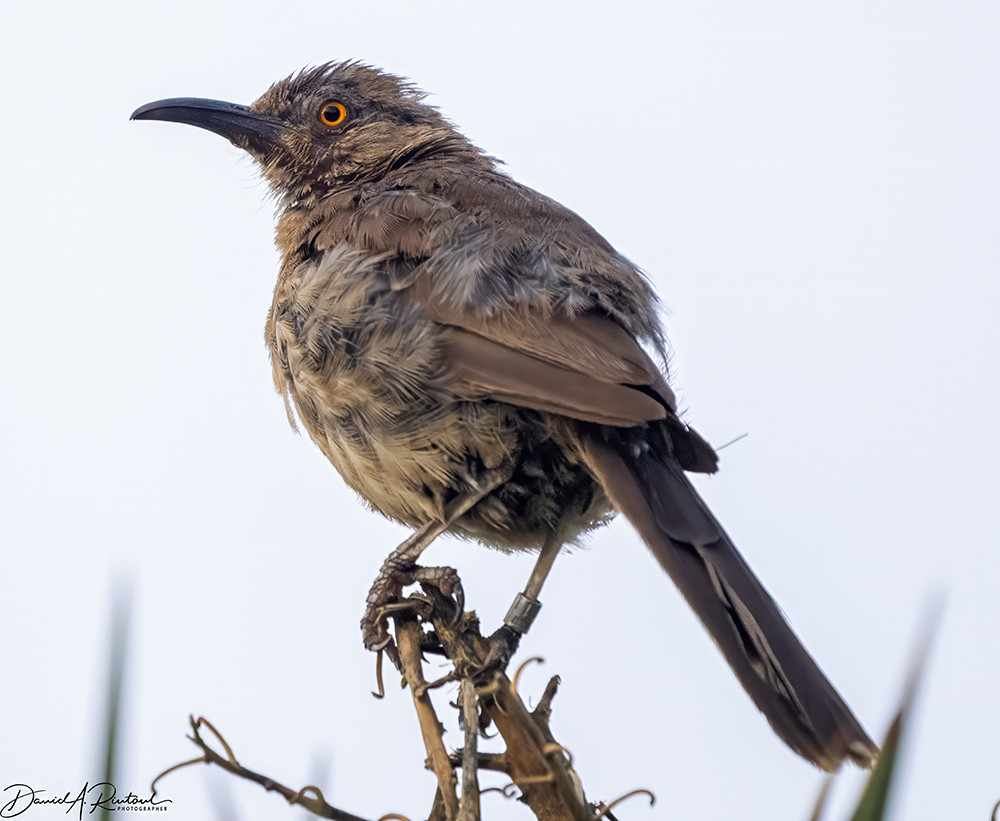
(364, 373)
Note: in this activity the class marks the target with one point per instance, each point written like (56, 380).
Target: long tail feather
(799, 702)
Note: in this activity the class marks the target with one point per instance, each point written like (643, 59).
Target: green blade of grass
(121, 608)
(875, 797)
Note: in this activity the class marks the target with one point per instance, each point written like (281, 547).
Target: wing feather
(586, 367)
(484, 368)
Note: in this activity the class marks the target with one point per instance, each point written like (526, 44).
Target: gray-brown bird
(469, 355)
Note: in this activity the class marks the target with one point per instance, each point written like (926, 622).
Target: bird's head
(325, 128)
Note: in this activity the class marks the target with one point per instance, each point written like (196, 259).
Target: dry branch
(540, 768)
(315, 803)
(535, 763)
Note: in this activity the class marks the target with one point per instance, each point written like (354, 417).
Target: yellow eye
(332, 113)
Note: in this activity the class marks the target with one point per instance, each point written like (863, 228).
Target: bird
(474, 358)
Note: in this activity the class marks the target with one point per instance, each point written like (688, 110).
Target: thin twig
(380, 693)
(470, 777)
(520, 669)
(317, 805)
(408, 637)
(604, 809)
(484, 761)
(543, 711)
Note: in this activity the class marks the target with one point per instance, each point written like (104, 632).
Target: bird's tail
(799, 702)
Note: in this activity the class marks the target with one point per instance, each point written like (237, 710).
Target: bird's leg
(400, 568)
(522, 612)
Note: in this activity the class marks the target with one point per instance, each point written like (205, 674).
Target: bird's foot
(385, 593)
(503, 644)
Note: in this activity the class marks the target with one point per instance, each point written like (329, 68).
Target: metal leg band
(522, 613)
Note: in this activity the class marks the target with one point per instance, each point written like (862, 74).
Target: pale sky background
(814, 190)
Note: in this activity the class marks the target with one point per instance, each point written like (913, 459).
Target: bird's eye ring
(332, 113)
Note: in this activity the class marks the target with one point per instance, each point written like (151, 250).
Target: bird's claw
(383, 600)
(446, 581)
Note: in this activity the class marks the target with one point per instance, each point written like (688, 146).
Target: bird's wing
(520, 349)
(585, 367)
